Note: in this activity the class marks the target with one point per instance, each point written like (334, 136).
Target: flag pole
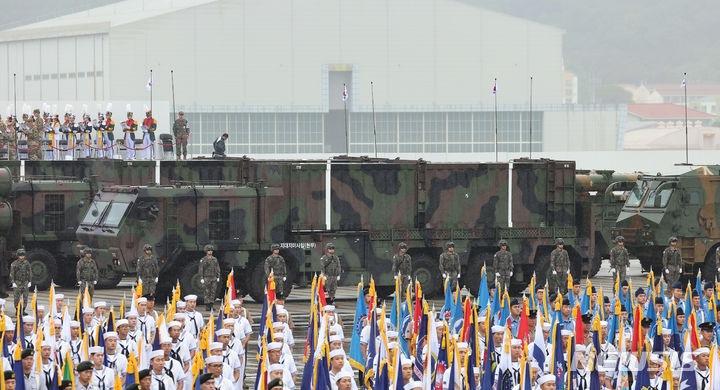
(172, 83)
(15, 94)
(151, 88)
(496, 123)
(687, 158)
(347, 132)
(531, 116)
(372, 97)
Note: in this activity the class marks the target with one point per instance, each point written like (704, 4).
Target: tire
(708, 268)
(542, 268)
(595, 266)
(108, 278)
(65, 276)
(42, 268)
(472, 274)
(384, 292)
(256, 283)
(427, 273)
(190, 281)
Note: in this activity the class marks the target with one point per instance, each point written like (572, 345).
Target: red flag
(579, 331)
(321, 292)
(271, 289)
(418, 308)
(692, 325)
(637, 340)
(467, 320)
(231, 287)
(524, 327)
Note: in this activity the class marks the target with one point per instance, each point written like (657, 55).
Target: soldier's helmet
(559, 241)
(20, 252)
(330, 245)
(502, 242)
(147, 247)
(672, 239)
(209, 247)
(619, 239)
(402, 245)
(86, 251)
(275, 246)
(450, 244)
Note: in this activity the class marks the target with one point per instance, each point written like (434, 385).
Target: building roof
(99, 19)
(665, 111)
(693, 89)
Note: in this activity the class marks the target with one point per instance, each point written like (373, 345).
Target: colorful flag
(558, 367)
(494, 89)
(420, 342)
(683, 84)
(539, 347)
(345, 93)
(483, 292)
(356, 358)
(149, 84)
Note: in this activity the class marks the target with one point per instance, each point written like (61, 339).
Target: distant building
(701, 97)
(661, 126)
(570, 88)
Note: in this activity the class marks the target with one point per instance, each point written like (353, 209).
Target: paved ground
(297, 305)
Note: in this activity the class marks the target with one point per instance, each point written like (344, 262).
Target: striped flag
(345, 93)
(683, 83)
(494, 90)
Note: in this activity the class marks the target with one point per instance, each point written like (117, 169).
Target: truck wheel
(65, 276)
(256, 283)
(427, 273)
(108, 278)
(595, 266)
(542, 268)
(190, 281)
(708, 268)
(473, 272)
(42, 268)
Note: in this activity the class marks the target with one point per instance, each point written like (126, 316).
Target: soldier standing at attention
(108, 135)
(129, 127)
(402, 264)
(503, 264)
(672, 262)
(450, 264)
(209, 271)
(149, 127)
(331, 268)
(20, 278)
(276, 264)
(619, 259)
(181, 130)
(86, 272)
(148, 271)
(560, 265)
(35, 137)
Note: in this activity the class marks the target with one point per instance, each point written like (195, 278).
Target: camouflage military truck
(684, 206)
(601, 196)
(8, 239)
(365, 207)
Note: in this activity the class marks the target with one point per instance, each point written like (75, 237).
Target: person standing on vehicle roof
(450, 264)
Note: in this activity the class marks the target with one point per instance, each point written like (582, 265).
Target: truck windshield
(635, 197)
(95, 211)
(115, 214)
(658, 199)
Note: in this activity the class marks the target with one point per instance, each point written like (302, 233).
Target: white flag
(345, 93)
(149, 84)
(682, 85)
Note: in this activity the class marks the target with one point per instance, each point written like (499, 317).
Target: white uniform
(117, 362)
(103, 379)
(194, 322)
(162, 382)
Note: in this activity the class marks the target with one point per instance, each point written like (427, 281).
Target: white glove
(394, 277)
(510, 273)
(15, 285)
(156, 280)
(628, 269)
(202, 281)
(444, 276)
(554, 272)
(284, 278)
(458, 276)
(95, 282)
(78, 283)
(29, 283)
(218, 279)
(497, 274)
(139, 280)
(338, 278)
(667, 271)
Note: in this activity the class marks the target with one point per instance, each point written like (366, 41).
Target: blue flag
(457, 316)
(310, 353)
(420, 342)
(322, 378)
(483, 293)
(371, 348)
(442, 361)
(19, 374)
(642, 379)
(488, 378)
(687, 378)
(558, 368)
(383, 378)
(356, 358)
(449, 304)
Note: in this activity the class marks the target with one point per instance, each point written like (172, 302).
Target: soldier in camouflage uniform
(276, 263)
(209, 271)
(20, 278)
(148, 270)
(450, 264)
(560, 265)
(619, 259)
(503, 265)
(402, 264)
(331, 268)
(86, 272)
(672, 262)
(181, 130)
(35, 137)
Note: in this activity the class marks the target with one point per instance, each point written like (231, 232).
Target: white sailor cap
(222, 332)
(131, 313)
(174, 323)
(336, 352)
(414, 385)
(603, 324)
(281, 310)
(405, 361)
(190, 297)
(47, 343)
(229, 321)
(278, 335)
(158, 352)
(278, 324)
(180, 304)
(73, 324)
(179, 316)
(392, 333)
(566, 332)
(121, 322)
(655, 358)
(213, 359)
(534, 364)
(94, 350)
(476, 370)
(335, 337)
(28, 320)
(141, 300)
(546, 326)
(216, 345)
(666, 331)
(329, 308)
(275, 367)
(515, 342)
(701, 351)
(166, 340)
(392, 345)
(274, 345)
(580, 348)
(10, 327)
(462, 345)
(545, 379)
(236, 302)
(100, 304)
(439, 324)
(497, 329)
(343, 374)
(41, 307)
(108, 335)
(88, 310)
(59, 296)
(336, 328)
